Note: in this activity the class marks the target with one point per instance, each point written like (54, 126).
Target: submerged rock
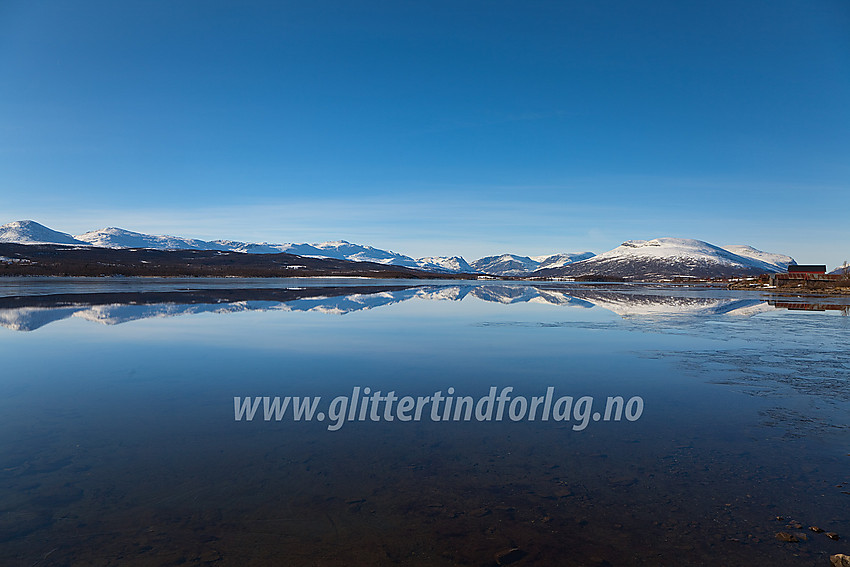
(785, 536)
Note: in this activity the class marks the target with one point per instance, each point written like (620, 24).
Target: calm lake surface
(119, 443)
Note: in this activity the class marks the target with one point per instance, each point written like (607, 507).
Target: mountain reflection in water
(30, 312)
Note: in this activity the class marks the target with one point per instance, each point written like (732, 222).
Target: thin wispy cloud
(456, 224)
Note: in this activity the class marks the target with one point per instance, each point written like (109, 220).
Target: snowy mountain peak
(505, 265)
(779, 260)
(513, 265)
(114, 237)
(662, 258)
(558, 260)
(31, 232)
(344, 250)
(667, 247)
(445, 264)
(666, 242)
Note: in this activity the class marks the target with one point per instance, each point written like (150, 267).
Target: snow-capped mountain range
(31, 232)
(513, 265)
(636, 259)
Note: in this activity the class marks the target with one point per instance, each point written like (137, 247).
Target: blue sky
(433, 128)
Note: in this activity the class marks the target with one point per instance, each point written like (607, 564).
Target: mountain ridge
(670, 258)
(660, 258)
(31, 232)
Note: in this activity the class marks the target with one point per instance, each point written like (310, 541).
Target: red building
(806, 269)
(810, 276)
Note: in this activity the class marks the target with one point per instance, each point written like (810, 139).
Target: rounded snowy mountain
(31, 232)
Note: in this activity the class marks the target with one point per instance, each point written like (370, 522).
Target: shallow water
(120, 446)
